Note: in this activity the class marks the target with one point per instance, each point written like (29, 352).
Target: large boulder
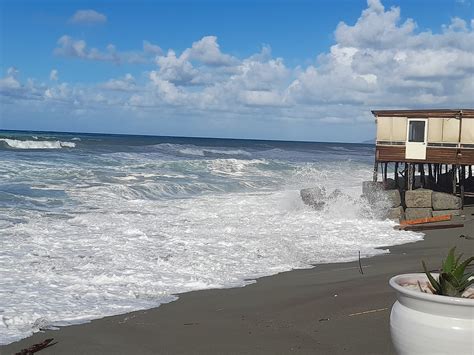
(393, 196)
(370, 187)
(415, 213)
(389, 184)
(314, 197)
(442, 201)
(445, 212)
(420, 198)
(396, 213)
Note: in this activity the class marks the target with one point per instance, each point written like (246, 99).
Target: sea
(93, 225)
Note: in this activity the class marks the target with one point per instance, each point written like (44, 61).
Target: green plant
(453, 280)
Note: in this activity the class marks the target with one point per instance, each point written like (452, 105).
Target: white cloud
(149, 47)
(175, 69)
(207, 51)
(88, 17)
(10, 82)
(69, 47)
(127, 83)
(77, 48)
(53, 75)
(380, 61)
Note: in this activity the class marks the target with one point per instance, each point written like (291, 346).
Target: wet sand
(330, 309)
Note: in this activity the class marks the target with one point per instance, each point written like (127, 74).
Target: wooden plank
(444, 217)
(420, 228)
(433, 155)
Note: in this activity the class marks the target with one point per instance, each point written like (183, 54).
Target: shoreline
(329, 308)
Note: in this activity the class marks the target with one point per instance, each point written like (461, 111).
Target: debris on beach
(37, 347)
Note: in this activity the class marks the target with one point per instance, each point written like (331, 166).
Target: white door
(417, 129)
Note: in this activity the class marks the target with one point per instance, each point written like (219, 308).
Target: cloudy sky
(292, 70)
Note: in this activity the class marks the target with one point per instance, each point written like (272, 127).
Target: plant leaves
(448, 264)
(459, 271)
(432, 280)
(449, 285)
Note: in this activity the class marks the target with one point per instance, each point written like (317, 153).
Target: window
(416, 132)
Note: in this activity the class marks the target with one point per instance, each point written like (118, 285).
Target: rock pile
(413, 204)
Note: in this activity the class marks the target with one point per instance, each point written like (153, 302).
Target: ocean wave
(133, 260)
(20, 144)
(206, 151)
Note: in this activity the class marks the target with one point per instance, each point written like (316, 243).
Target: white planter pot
(422, 323)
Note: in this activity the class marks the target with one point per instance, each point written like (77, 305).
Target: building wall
(440, 130)
(392, 129)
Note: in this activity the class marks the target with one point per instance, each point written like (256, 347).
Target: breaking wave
(20, 144)
(109, 232)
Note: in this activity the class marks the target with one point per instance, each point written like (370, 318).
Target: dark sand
(330, 309)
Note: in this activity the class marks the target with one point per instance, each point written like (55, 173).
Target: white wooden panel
(435, 130)
(399, 129)
(467, 134)
(415, 151)
(384, 128)
(450, 130)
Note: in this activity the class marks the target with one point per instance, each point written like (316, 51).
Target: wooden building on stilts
(431, 149)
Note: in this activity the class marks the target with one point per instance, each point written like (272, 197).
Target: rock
(370, 187)
(442, 201)
(335, 194)
(444, 212)
(420, 198)
(396, 213)
(313, 197)
(393, 197)
(389, 184)
(415, 213)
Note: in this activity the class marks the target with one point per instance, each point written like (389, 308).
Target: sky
(282, 69)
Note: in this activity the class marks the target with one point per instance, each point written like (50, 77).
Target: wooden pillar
(385, 168)
(470, 170)
(376, 171)
(395, 174)
(411, 175)
(454, 178)
(461, 184)
(421, 168)
(406, 177)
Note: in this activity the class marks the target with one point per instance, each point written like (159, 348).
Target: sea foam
(105, 234)
(27, 144)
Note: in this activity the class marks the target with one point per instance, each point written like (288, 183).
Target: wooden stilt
(422, 174)
(395, 174)
(411, 175)
(470, 171)
(406, 176)
(461, 184)
(454, 178)
(385, 168)
(376, 171)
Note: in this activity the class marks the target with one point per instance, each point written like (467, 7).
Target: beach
(329, 309)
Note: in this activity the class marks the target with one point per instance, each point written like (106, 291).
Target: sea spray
(124, 223)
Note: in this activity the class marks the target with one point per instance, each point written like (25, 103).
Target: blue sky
(299, 70)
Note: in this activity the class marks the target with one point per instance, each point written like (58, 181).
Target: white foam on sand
(110, 262)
